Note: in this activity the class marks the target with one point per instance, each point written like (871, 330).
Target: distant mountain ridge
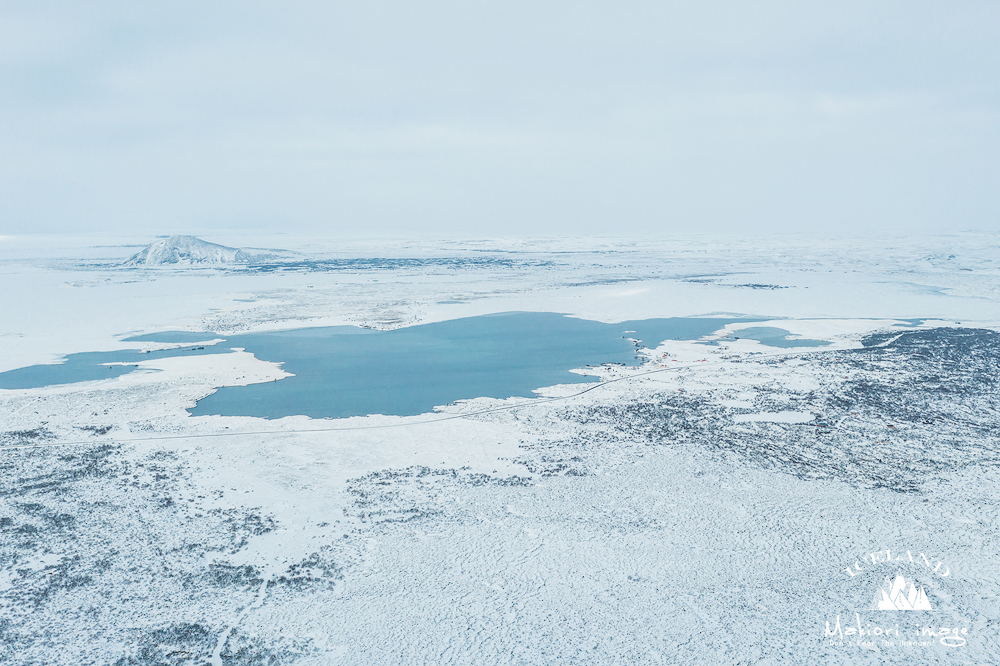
(187, 251)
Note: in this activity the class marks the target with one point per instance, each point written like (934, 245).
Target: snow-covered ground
(720, 504)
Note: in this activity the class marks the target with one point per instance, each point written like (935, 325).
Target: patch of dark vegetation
(490, 480)
(413, 493)
(390, 476)
(22, 437)
(189, 634)
(60, 521)
(390, 264)
(242, 649)
(90, 464)
(183, 644)
(892, 416)
(97, 430)
(553, 465)
(163, 455)
(229, 575)
(116, 531)
(942, 342)
(666, 417)
(12, 641)
(70, 573)
(315, 570)
(241, 524)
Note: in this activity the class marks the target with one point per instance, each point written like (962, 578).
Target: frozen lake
(344, 371)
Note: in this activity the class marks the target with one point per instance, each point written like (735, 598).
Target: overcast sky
(488, 118)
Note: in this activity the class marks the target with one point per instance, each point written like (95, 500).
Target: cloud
(499, 117)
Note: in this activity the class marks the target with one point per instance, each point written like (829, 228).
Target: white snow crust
(702, 508)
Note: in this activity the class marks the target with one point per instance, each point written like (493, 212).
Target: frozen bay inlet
(719, 500)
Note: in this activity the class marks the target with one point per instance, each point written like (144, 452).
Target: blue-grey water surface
(343, 371)
(346, 371)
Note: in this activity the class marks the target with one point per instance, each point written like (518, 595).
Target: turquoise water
(775, 337)
(87, 366)
(345, 371)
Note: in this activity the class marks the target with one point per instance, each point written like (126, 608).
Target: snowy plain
(714, 505)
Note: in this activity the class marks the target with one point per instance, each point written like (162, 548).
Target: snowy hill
(186, 250)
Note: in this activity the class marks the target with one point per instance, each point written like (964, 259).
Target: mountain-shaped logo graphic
(901, 594)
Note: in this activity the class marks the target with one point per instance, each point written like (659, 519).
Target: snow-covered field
(723, 504)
